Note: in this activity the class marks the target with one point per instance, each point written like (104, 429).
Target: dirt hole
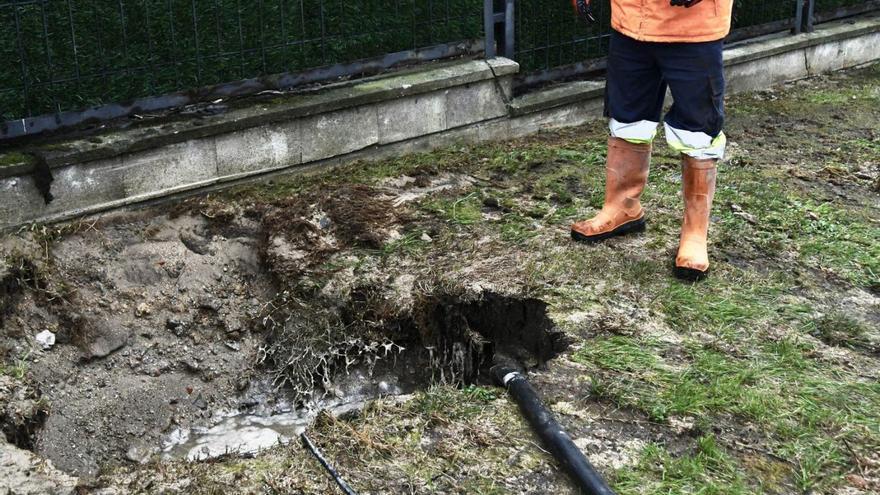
(471, 335)
(447, 339)
(15, 272)
(22, 413)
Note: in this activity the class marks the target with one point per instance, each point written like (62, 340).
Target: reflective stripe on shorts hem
(696, 144)
(639, 132)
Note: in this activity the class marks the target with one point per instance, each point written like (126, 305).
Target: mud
(150, 333)
(22, 412)
(455, 342)
(305, 230)
(476, 334)
(260, 424)
(192, 335)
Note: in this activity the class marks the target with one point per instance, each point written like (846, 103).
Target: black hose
(551, 433)
(318, 455)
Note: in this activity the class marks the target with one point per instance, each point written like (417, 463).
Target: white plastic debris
(46, 339)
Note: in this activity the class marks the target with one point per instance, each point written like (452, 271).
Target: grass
(17, 370)
(747, 356)
(457, 211)
(806, 424)
(14, 158)
(865, 94)
(821, 234)
(708, 470)
(410, 243)
(840, 329)
(443, 427)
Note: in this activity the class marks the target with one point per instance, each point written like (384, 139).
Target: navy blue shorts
(639, 73)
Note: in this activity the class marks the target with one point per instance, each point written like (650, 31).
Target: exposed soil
(152, 322)
(395, 284)
(165, 323)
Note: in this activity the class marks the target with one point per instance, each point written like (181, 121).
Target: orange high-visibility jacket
(657, 20)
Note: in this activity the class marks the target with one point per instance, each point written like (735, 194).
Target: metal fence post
(811, 9)
(509, 30)
(499, 28)
(798, 17)
(489, 27)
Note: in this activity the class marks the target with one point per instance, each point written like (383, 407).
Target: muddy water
(236, 434)
(273, 422)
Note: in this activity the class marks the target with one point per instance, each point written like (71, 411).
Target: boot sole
(689, 274)
(627, 228)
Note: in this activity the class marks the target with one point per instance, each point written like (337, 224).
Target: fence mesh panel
(822, 5)
(748, 13)
(69, 54)
(832, 9)
(548, 35)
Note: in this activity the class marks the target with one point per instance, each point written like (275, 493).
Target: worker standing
(655, 45)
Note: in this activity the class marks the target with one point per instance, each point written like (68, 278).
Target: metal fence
(829, 10)
(118, 57)
(60, 55)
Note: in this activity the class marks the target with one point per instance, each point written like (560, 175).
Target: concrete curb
(422, 109)
(328, 99)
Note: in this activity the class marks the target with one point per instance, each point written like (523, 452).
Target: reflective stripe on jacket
(657, 20)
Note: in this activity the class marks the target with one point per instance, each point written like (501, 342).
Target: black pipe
(551, 433)
(318, 455)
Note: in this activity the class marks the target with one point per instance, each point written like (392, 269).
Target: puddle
(241, 434)
(457, 342)
(265, 425)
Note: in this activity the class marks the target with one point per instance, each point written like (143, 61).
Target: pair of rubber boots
(626, 176)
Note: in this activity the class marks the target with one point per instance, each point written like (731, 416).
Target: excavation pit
(215, 330)
(451, 341)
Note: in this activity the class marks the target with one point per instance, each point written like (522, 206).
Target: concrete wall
(771, 60)
(465, 101)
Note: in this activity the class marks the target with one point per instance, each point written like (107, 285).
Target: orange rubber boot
(626, 174)
(698, 183)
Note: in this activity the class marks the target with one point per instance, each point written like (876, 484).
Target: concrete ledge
(281, 109)
(774, 44)
(439, 105)
(772, 60)
(557, 96)
(127, 166)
